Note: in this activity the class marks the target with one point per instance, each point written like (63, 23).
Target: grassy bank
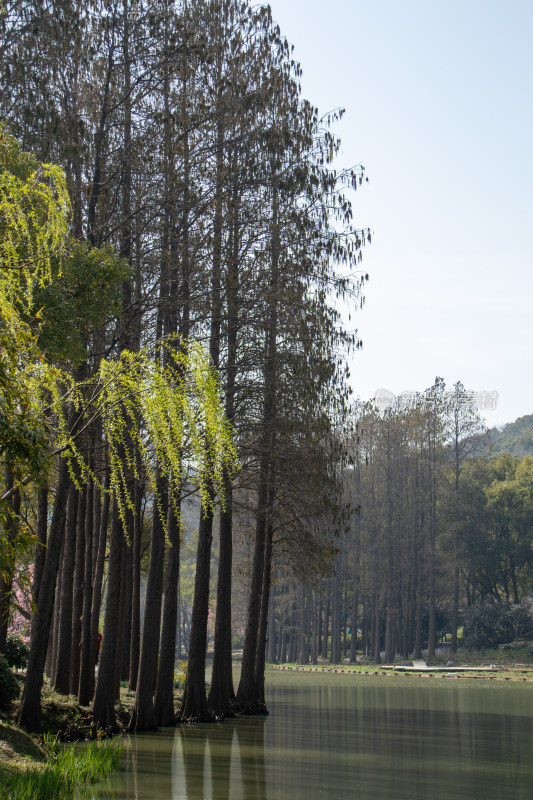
(45, 768)
(49, 770)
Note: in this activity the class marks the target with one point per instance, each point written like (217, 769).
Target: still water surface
(333, 736)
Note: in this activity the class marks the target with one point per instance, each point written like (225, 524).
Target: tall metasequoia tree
(143, 715)
(234, 81)
(194, 705)
(251, 92)
(434, 424)
(248, 691)
(290, 179)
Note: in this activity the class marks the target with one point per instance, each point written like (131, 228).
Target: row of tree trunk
(190, 152)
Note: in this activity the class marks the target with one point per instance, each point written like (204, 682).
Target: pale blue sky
(439, 109)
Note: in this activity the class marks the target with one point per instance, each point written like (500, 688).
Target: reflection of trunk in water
(220, 738)
(204, 765)
(129, 765)
(251, 739)
(193, 744)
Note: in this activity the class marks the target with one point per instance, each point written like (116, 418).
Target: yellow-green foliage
(34, 209)
(165, 405)
(34, 214)
(180, 673)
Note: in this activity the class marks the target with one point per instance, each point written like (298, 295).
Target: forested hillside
(515, 438)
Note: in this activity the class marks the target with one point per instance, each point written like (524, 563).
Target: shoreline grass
(63, 771)
(505, 665)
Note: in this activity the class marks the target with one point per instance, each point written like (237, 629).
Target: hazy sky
(439, 109)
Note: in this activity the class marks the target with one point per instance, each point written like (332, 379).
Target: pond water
(333, 736)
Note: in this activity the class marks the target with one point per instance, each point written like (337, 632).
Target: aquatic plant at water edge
(68, 768)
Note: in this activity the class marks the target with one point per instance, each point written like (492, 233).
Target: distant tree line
(440, 535)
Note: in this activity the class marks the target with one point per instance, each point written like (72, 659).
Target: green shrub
(9, 685)
(180, 673)
(487, 625)
(16, 652)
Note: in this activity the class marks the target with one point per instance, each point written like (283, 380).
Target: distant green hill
(515, 438)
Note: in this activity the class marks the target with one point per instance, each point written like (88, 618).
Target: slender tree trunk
(455, 606)
(86, 686)
(272, 648)
(179, 632)
(164, 692)
(128, 594)
(77, 600)
(6, 576)
(248, 694)
(418, 634)
(221, 693)
(51, 656)
(135, 635)
(354, 621)
(432, 446)
(281, 636)
(314, 623)
(143, 716)
(104, 698)
(53, 625)
(29, 713)
(98, 580)
(61, 682)
(194, 704)
(122, 631)
(96, 183)
(263, 620)
(319, 620)
(336, 617)
(432, 632)
(302, 650)
(40, 547)
(411, 616)
(377, 631)
(326, 620)
(390, 623)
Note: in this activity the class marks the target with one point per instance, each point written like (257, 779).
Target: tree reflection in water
(385, 738)
(251, 739)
